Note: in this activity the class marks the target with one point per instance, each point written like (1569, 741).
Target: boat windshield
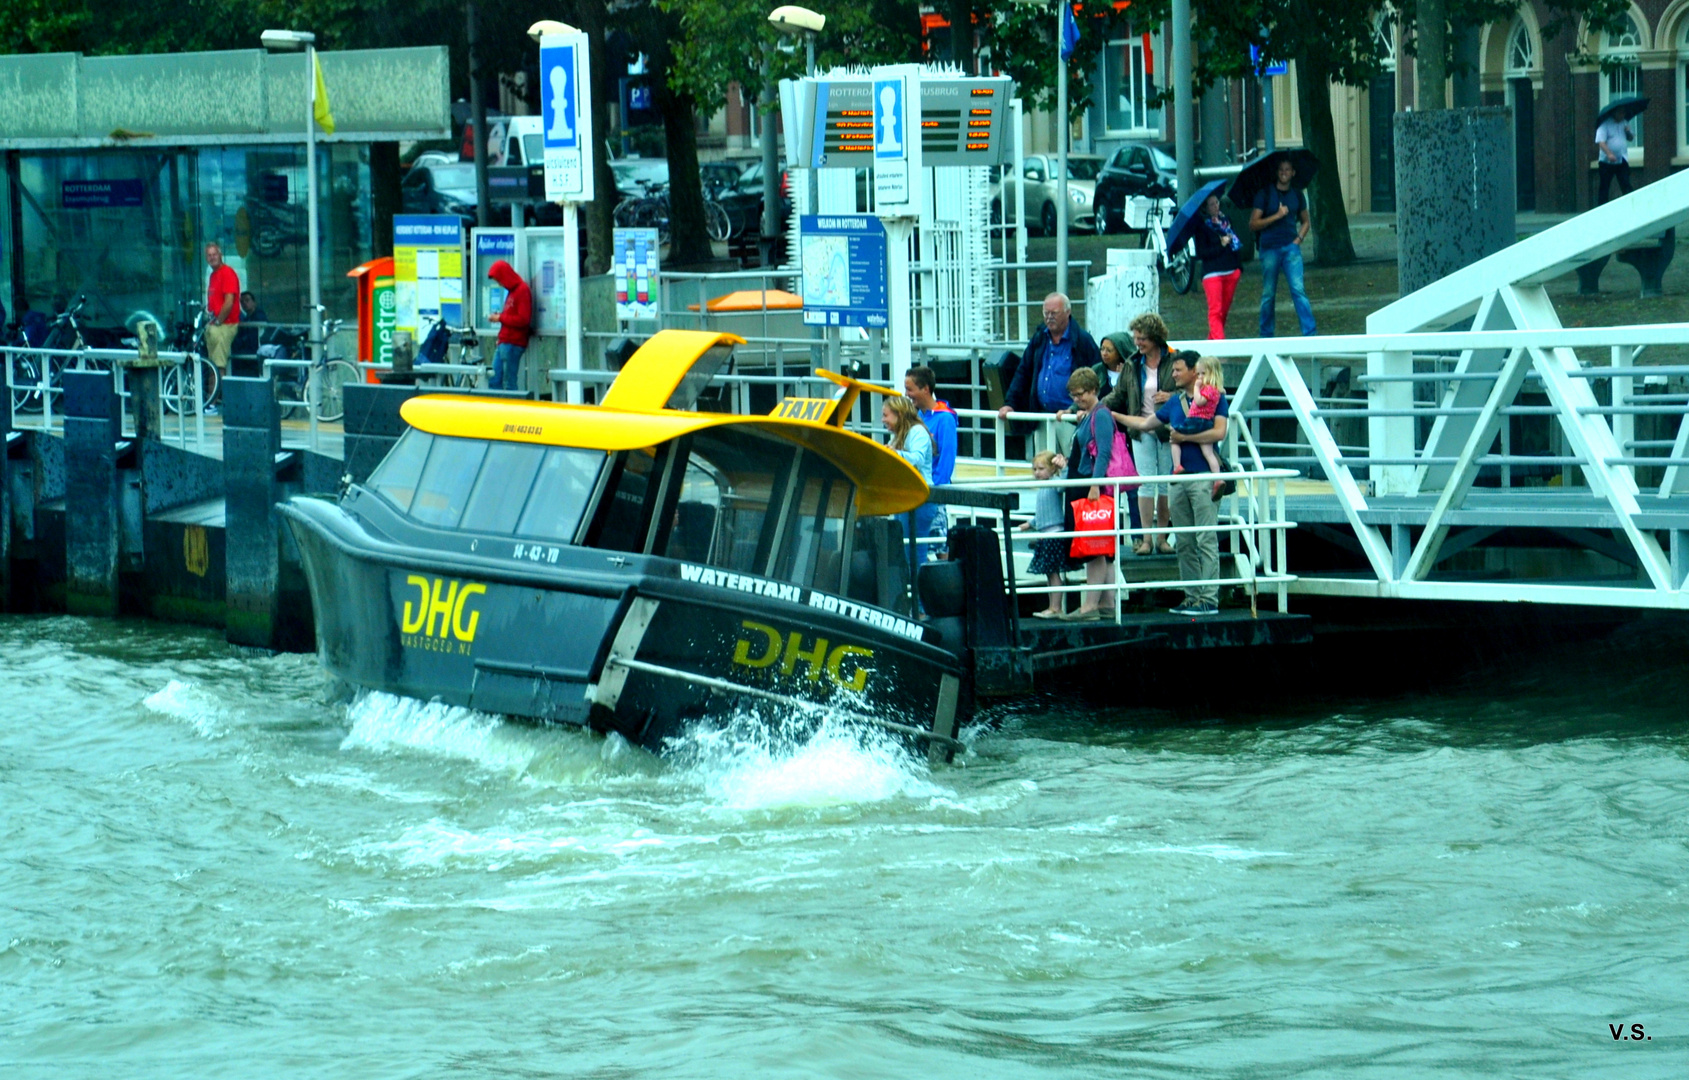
(509, 489)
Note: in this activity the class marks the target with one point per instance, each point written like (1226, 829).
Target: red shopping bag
(1094, 516)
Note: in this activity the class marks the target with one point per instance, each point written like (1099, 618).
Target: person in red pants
(1217, 246)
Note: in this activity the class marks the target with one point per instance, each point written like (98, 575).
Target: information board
(427, 270)
(548, 278)
(843, 260)
(963, 121)
(636, 273)
(490, 246)
(566, 117)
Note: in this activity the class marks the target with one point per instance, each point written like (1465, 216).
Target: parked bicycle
(65, 334)
(23, 371)
(437, 346)
(332, 374)
(651, 211)
(201, 374)
(1154, 216)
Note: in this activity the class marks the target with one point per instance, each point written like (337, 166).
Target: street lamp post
(790, 19)
(288, 41)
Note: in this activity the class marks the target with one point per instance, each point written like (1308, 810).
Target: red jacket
(517, 316)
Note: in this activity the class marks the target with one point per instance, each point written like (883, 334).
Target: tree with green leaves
(1341, 44)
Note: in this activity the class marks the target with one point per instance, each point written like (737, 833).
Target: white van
(524, 140)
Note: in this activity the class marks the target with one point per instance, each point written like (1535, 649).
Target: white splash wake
(187, 701)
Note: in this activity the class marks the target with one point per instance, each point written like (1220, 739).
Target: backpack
(433, 350)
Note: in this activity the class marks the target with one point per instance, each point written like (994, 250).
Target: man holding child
(1195, 503)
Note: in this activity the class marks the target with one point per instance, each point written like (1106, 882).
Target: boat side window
(497, 500)
(443, 492)
(722, 511)
(697, 514)
(561, 491)
(399, 471)
(812, 550)
(622, 515)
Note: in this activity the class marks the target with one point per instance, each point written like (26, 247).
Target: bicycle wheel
(175, 394)
(715, 220)
(1181, 270)
(331, 381)
(26, 385)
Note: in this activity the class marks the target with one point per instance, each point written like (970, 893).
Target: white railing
(37, 395)
(1560, 441)
(1252, 519)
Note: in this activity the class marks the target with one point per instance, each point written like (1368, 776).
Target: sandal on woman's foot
(1083, 615)
(1047, 613)
(1141, 547)
(1163, 546)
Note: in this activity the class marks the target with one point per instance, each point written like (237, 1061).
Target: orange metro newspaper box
(377, 314)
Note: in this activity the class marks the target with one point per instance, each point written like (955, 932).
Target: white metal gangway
(1430, 442)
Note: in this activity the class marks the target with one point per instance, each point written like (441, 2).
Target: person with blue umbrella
(1217, 246)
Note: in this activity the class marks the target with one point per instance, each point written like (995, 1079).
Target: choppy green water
(209, 870)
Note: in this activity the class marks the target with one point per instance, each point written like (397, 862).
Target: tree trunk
(1319, 134)
(688, 242)
(605, 83)
(1430, 53)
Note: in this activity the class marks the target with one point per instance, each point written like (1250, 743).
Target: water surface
(215, 867)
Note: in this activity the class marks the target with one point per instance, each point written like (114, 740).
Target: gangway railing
(1251, 520)
(1442, 439)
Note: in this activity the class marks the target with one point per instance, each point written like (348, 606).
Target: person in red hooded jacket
(515, 320)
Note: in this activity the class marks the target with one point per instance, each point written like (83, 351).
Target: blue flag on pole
(1069, 31)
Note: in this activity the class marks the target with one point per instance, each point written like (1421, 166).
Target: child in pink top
(1199, 411)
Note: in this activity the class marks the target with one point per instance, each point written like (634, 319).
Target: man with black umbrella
(1612, 141)
(1280, 218)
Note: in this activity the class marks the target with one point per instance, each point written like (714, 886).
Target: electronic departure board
(963, 121)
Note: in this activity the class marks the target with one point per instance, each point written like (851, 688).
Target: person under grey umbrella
(1612, 143)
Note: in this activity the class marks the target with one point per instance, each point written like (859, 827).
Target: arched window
(1521, 51)
(1384, 33)
(1683, 88)
(1622, 72)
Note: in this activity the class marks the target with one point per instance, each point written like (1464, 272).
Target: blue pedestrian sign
(891, 136)
(843, 262)
(558, 97)
(566, 116)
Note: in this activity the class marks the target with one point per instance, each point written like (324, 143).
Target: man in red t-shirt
(222, 302)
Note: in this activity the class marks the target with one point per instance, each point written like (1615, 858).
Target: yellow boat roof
(633, 417)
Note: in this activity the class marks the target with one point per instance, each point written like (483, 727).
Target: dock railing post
(251, 443)
(6, 495)
(93, 427)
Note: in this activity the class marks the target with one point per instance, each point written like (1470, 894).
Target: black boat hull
(637, 645)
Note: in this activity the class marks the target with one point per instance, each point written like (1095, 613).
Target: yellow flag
(320, 107)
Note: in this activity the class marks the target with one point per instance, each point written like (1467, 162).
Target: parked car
(1133, 169)
(743, 202)
(637, 176)
(441, 189)
(1042, 189)
(719, 176)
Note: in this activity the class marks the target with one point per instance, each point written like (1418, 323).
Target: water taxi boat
(636, 565)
